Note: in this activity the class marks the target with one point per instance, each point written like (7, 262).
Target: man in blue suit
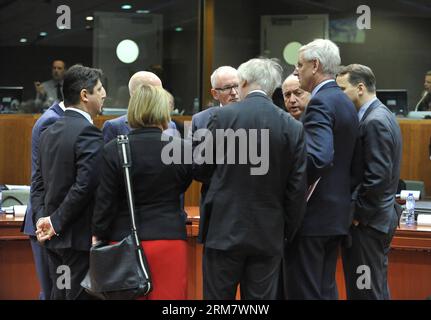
(112, 128)
(331, 128)
(39, 253)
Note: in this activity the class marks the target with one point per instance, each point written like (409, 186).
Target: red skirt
(167, 260)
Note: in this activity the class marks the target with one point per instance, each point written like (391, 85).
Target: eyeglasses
(228, 89)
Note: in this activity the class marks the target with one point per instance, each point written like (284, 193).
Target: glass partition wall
(183, 41)
(120, 37)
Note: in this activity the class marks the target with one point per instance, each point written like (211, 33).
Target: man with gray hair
(224, 83)
(247, 215)
(331, 128)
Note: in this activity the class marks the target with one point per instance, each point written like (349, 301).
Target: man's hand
(44, 230)
(94, 240)
(39, 88)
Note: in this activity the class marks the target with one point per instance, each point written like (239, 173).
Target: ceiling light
(43, 34)
(142, 11)
(23, 40)
(178, 29)
(126, 7)
(89, 18)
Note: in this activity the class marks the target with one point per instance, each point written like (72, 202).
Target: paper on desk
(19, 211)
(424, 220)
(17, 187)
(405, 193)
(7, 210)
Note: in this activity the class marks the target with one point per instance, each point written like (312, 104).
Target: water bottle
(410, 206)
(195, 105)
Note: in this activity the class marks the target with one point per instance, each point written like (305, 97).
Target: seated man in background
(112, 128)
(424, 103)
(295, 98)
(51, 91)
(376, 173)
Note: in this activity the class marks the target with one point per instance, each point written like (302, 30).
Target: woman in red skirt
(161, 222)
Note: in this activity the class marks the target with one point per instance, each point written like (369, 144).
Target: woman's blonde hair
(149, 106)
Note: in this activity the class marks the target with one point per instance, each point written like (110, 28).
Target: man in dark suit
(249, 210)
(39, 252)
(65, 180)
(118, 126)
(331, 126)
(376, 173)
(224, 82)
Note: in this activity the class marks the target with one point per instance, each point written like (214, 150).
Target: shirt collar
(260, 91)
(85, 114)
(62, 106)
(320, 85)
(365, 107)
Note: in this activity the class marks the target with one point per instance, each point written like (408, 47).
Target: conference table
(15, 150)
(408, 275)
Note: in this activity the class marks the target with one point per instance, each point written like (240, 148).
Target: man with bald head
(118, 126)
(295, 98)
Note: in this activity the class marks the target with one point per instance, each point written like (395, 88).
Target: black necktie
(59, 92)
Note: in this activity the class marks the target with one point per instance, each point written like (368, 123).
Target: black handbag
(120, 271)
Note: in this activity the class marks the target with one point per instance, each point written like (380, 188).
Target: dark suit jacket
(66, 178)
(46, 119)
(248, 212)
(156, 189)
(200, 120)
(331, 128)
(118, 126)
(377, 168)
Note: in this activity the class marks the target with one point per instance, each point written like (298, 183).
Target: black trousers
(65, 285)
(257, 275)
(42, 270)
(365, 263)
(309, 268)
